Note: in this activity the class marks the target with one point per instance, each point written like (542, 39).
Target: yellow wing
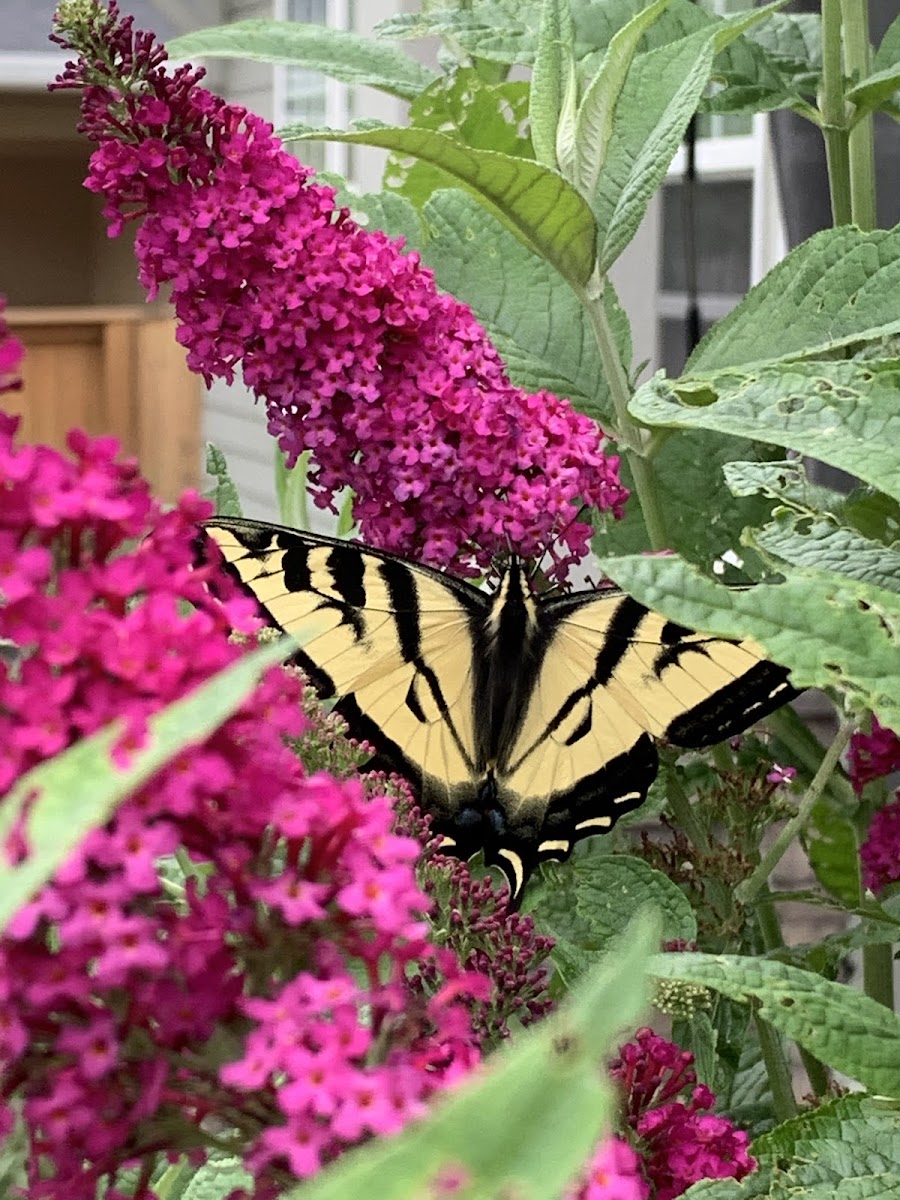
(613, 680)
(390, 638)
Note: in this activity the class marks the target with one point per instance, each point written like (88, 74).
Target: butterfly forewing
(386, 637)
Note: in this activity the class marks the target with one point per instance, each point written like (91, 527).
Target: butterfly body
(525, 723)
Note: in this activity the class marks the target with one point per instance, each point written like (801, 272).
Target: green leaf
(754, 1186)
(852, 1140)
(703, 519)
(63, 799)
(344, 56)
(223, 494)
(785, 481)
(658, 99)
(531, 313)
(501, 31)
(835, 290)
(592, 901)
(844, 413)
(833, 851)
(830, 631)
(805, 540)
(482, 116)
(888, 53)
(871, 93)
(840, 1026)
(597, 110)
(540, 208)
(552, 80)
(503, 1126)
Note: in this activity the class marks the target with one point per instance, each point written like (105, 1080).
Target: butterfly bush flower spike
(880, 852)
(297, 947)
(394, 387)
(682, 1141)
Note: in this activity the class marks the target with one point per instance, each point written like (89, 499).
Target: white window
(309, 96)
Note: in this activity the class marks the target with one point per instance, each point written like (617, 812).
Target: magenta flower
(393, 386)
(292, 939)
(880, 852)
(614, 1173)
(681, 1141)
(873, 755)
(11, 351)
(779, 774)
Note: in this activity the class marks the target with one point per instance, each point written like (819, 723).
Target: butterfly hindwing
(613, 679)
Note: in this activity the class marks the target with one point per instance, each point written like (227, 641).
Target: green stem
(878, 974)
(857, 54)
(773, 940)
(777, 1070)
(628, 434)
(751, 888)
(683, 812)
(804, 750)
(834, 116)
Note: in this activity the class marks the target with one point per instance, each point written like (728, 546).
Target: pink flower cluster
(10, 355)
(231, 898)
(880, 852)
(394, 387)
(614, 1173)
(873, 755)
(681, 1140)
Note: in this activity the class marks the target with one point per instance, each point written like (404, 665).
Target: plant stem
(878, 974)
(628, 434)
(683, 812)
(751, 888)
(804, 750)
(862, 141)
(834, 116)
(773, 939)
(777, 1070)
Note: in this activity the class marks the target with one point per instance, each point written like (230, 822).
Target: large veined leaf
(829, 630)
(703, 518)
(836, 290)
(501, 1130)
(531, 313)
(543, 211)
(63, 799)
(840, 1026)
(844, 413)
(658, 99)
(482, 116)
(344, 56)
(586, 906)
(807, 541)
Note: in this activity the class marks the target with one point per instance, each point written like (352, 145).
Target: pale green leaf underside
(823, 543)
(844, 413)
(830, 631)
(344, 56)
(544, 211)
(549, 78)
(81, 788)
(502, 1129)
(837, 289)
(839, 1025)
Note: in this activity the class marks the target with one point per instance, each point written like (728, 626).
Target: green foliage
(513, 1111)
(345, 56)
(543, 211)
(841, 1027)
(589, 904)
(63, 799)
(223, 493)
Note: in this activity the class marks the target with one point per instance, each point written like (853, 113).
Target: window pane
(304, 99)
(722, 210)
